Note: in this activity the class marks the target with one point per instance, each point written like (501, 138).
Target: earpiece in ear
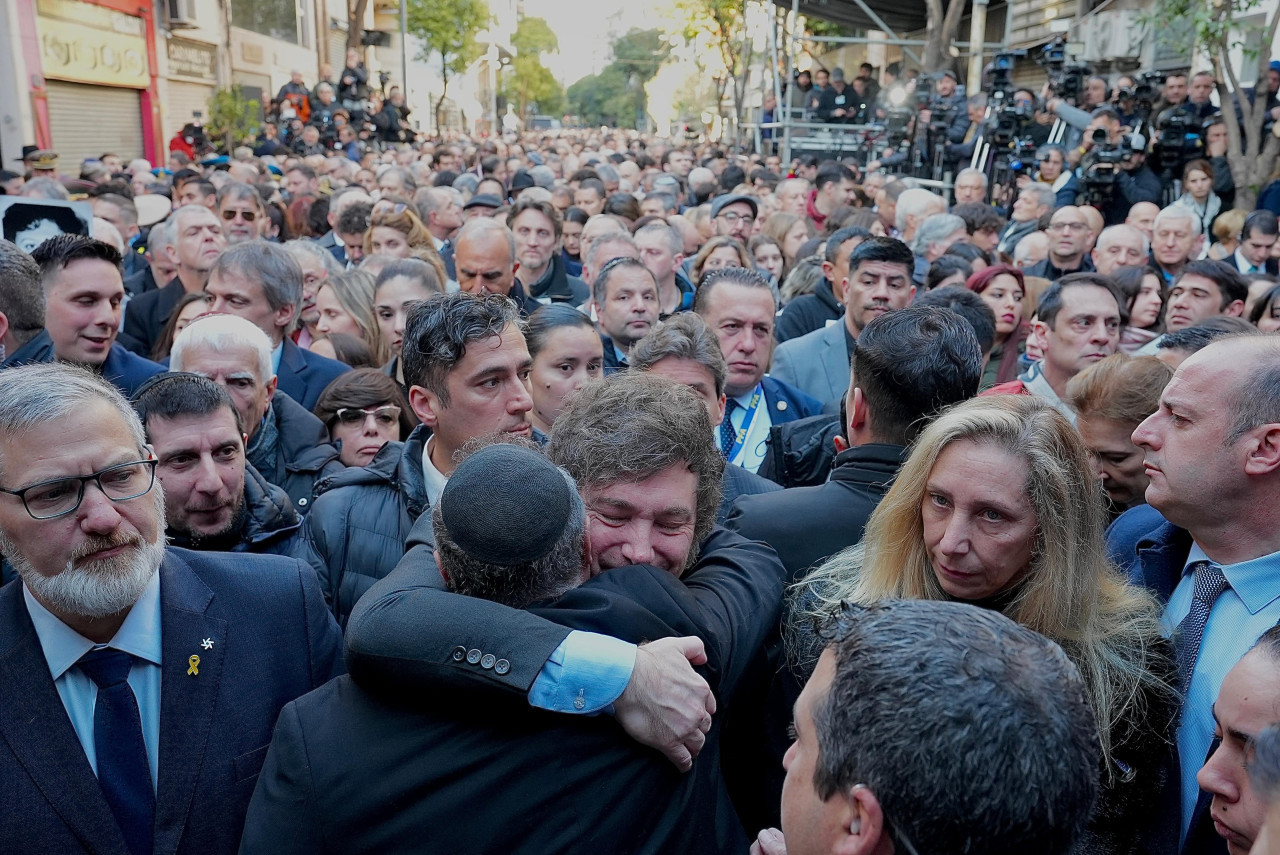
(855, 827)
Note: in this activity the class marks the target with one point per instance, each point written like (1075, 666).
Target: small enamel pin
(193, 663)
(207, 644)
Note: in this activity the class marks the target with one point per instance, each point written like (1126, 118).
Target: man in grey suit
(879, 281)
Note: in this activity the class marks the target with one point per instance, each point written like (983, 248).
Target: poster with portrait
(30, 222)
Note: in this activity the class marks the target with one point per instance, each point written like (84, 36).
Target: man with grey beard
(142, 682)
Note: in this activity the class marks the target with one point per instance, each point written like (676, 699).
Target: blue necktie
(1209, 585)
(727, 432)
(123, 772)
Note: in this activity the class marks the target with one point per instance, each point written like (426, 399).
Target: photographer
(959, 154)
(1112, 158)
(1041, 124)
(353, 86)
(1125, 102)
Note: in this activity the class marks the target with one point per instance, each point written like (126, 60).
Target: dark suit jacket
(273, 640)
(737, 482)
(787, 403)
(358, 765)
(612, 364)
(807, 525)
(303, 375)
(122, 369)
(146, 315)
(1273, 267)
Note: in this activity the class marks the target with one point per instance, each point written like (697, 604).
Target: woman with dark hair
(567, 353)
(1145, 300)
(947, 270)
(298, 216)
(277, 226)
(623, 205)
(1003, 288)
(1198, 196)
(574, 221)
(347, 349)
(1266, 312)
(189, 307)
(363, 410)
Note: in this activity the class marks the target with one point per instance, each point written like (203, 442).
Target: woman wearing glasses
(363, 411)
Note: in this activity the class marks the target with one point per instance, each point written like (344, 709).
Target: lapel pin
(782, 405)
(207, 644)
(193, 663)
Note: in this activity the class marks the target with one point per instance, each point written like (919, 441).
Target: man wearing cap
(481, 205)
(511, 533)
(734, 215)
(839, 104)
(43, 163)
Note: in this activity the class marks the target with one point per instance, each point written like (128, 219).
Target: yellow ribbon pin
(194, 662)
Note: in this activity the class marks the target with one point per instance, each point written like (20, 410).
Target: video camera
(1142, 93)
(1006, 121)
(1066, 79)
(1177, 139)
(1104, 163)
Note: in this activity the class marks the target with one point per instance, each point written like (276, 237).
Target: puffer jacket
(357, 528)
(304, 455)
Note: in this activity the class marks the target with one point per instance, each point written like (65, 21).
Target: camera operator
(1109, 156)
(1041, 124)
(353, 87)
(959, 154)
(1052, 159)
(323, 112)
(1174, 93)
(1125, 102)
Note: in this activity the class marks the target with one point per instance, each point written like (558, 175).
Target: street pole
(977, 37)
(404, 48)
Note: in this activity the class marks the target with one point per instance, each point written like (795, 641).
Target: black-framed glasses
(384, 416)
(61, 496)
(248, 216)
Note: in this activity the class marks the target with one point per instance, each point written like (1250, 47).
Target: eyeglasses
(384, 416)
(61, 496)
(1068, 227)
(389, 208)
(249, 216)
(732, 217)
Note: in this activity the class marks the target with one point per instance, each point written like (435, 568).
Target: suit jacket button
(487, 662)
(459, 653)
(473, 656)
(302, 502)
(502, 666)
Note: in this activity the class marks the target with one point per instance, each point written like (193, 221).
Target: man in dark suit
(1207, 543)
(879, 281)
(739, 307)
(83, 290)
(685, 351)
(625, 299)
(462, 748)
(196, 241)
(1258, 235)
(262, 283)
(907, 366)
(143, 682)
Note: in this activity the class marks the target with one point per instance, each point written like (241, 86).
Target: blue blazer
(1149, 549)
(122, 369)
(787, 403)
(816, 363)
(273, 641)
(303, 375)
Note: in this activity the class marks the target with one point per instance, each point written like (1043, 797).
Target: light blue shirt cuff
(585, 674)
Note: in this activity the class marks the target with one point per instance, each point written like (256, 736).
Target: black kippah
(506, 505)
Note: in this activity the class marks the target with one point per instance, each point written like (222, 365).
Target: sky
(585, 39)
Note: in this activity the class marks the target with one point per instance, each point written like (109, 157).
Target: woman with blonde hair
(395, 230)
(998, 505)
(791, 232)
(345, 305)
(719, 252)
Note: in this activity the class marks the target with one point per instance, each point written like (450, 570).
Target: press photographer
(1113, 172)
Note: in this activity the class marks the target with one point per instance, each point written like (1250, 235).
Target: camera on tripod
(1177, 138)
(1066, 79)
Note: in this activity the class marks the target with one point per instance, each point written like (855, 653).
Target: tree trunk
(444, 88)
(355, 24)
(943, 27)
(1253, 158)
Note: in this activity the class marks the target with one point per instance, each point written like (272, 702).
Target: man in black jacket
(810, 312)
(538, 227)
(907, 365)
(214, 499)
(286, 444)
(563, 778)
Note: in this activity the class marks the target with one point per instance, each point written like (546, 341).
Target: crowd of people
(593, 492)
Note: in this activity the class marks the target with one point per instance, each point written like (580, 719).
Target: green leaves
(232, 117)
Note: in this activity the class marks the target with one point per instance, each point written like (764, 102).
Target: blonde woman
(997, 505)
(395, 230)
(345, 305)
